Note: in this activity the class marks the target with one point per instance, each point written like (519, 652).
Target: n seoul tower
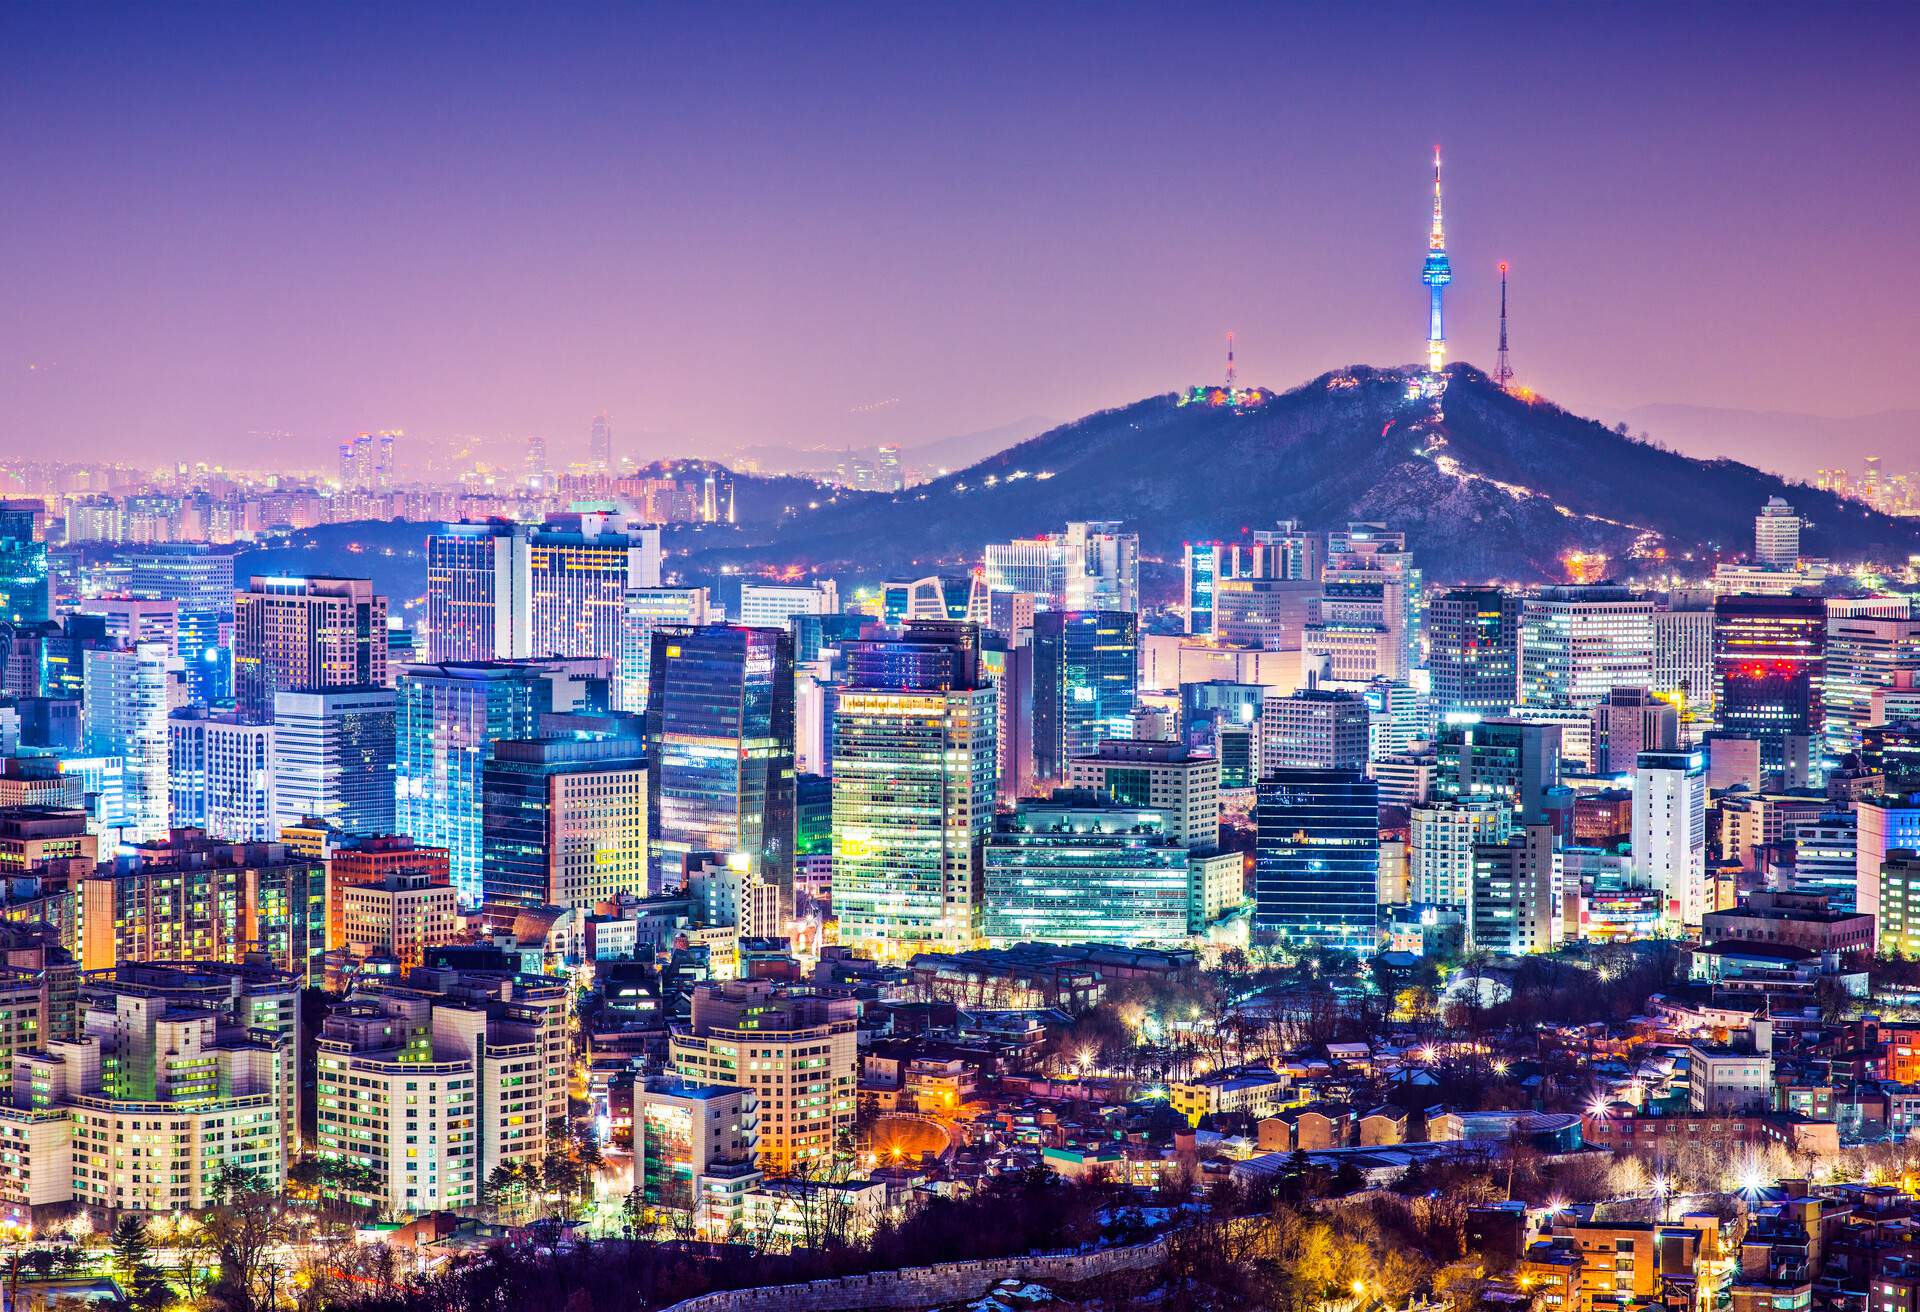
(1436, 274)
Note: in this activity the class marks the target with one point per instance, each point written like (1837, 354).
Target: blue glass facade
(1085, 684)
(449, 717)
(720, 735)
(1317, 859)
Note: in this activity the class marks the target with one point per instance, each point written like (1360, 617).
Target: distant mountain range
(1794, 444)
(1486, 484)
(941, 453)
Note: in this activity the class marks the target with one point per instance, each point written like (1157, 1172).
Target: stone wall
(927, 1286)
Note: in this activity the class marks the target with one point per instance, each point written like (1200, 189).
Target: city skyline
(722, 244)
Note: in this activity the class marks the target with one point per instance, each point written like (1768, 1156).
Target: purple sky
(225, 219)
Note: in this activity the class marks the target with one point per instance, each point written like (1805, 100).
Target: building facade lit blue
(1085, 684)
(1317, 859)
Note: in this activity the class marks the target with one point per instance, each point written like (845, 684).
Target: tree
(246, 1227)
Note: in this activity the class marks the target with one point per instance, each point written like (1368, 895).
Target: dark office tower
(1516, 762)
(932, 655)
(1474, 652)
(305, 633)
(198, 579)
(564, 821)
(1769, 668)
(1317, 859)
(720, 743)
(25, 579)
(1085, 681)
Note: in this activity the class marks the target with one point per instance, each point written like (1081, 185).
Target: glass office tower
(720, 744)
(1085, 682)
(1317, 859)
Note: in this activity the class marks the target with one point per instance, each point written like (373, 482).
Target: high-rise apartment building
(371, 860)
(220, 776)
(432, 1086)
(564, 821)
(1474, 652)
(1317, 859)
(913, 791)
(1085, 684)
(333, 758)
(1577, 643)
(796, 1051)
(305, 633)
(400, 917)
(1442, 837)
(188, 897)
(1082, 869)
(720, 735)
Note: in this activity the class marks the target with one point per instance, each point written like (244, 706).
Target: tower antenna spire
(1436, 273)
(1233, 377)
(1502, 366)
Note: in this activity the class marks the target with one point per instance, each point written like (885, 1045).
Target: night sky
(802, 224)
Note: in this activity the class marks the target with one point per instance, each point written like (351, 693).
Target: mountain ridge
(1487, 484)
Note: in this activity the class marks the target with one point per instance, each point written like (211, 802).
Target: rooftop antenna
(1502, 366)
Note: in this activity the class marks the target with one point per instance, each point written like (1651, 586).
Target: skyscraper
(1474, 651)
(1578, 643)
(130, 693)
(1769, 660)
(1670, 831)
(199, 581)
(1314, 728)
(1317, 859)
(1202, 571)
(449, 716)
(477, 593)
(648, 609)
(1864, 655)
(1776, 534)
(1093, 565)
(1436, 273)
(305, 633)
(600, 444)
(564, 821)
(913, 790)
(333, 758)
(220, 775)
(1513, 762)
(580, 567)
(1365, 623)
(26, 593)
(1085, 684)
(720, 742)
